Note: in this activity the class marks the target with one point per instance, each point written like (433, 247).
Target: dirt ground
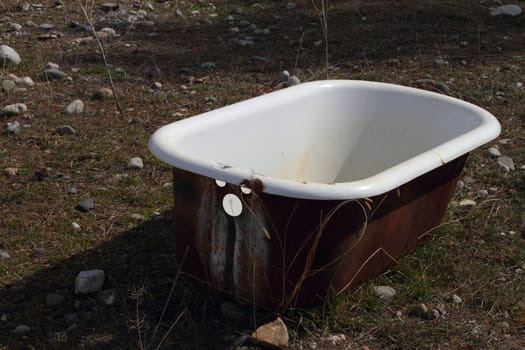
(450, 47)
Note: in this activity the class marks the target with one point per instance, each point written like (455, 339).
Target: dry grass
(375, 40)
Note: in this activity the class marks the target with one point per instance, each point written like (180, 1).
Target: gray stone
(52, 74)
(76, 106)
(4, 254)
(293, 81)
(65, 130)
(291, 5)
(25, 81)
(467, 203)
(494, 152)
(157, 85)
(72, 190)
(7, 85)
(504, 141)
(52, 65)
(483, 194)
(384, 292)
(90, 281)
(147, 6)
(85, 205)
(506, 163)
(442, 86)
(82, 41)
(208, 65)
(46, 26)
(109, 6)
(107, 297)
(441, 62)
(284, 76)
(13, 109)
(13, 128)
(7, 53)
(53, 299)
(13, 27)
(509, 10)
(135, 163)
(138, 217)
(456, 299)
(22, 329)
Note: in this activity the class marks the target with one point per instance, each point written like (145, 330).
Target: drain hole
(232, 205)
(220, 183)
(245, 189)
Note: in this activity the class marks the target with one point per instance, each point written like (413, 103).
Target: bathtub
(297, 195)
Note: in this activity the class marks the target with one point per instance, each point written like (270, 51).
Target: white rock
(494, 152)
(9, 54)
(25, 81)
(52, 65)
(456, 299)
(208, 65)
(22, 329)
(274, 334)
(284, 75)
(467, 203)
(15, 108)
(13, 128)
(89, 281)
(4, 254)
(509, 10)
(293, 81)
(75, 226)
(384, 292)
(75, 106)
(135, 163)
(506, 163)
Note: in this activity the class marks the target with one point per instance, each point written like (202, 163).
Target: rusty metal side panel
(282, 252)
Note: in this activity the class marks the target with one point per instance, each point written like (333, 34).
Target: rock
(53, 299)
(75, 106)
(75, 226)
(208, 65)
(22, 329)
(245, 42)
(284, 76)
(46, 26)
(157, 85)
(509, 10)
(13, 128)
(103, 93)
(51, 65)
(25, 81)
(467, 203)
(52, 74)
(419, 310)
(483, 194)
(13, 27)
(291, 5)
(11, 171)
(65, 130)
(109, 6)
(441, 62)
(147, 6)
(135, 163)
(273, 334)
(109, 31)
(293, 80)
(107, 297)
(72, 190)
(7, 85)
(82, 41)
(456, 299)
(384, 292)
(433, 314)
(442, 86)
(506, 163)
(47, 36)
(13, 109)
(4, 254)
(138, 217)
(90, 281)
(85, 205)
(494, 152)
(3, 318)
(9, 54)
(39, 251)
(336, 339)
(503, 325)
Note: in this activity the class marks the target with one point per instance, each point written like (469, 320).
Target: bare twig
(89, 20)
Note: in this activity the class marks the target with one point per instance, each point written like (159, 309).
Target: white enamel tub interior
(335, 139)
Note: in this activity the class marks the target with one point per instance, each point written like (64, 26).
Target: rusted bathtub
(297, 195)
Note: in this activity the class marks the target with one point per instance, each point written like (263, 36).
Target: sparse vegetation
(478, 255)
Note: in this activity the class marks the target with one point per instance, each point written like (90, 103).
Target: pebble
(65, 130)
(441, 62)
(13, 109)
(107, 297)
(4, 254)
(483, 194)
(25, 81)
(51, 65)
(442, 86)
(7, 85)
(11, 171)
(284, 76)
(13, 27)
(384, 292)
(72, 190)
(494, 152)
(103, 93)
(509, 10)
(467, 203)
(86, 205)
(234, 30)
(46, 26)
(53, 299)
(7, 53)
(336, 339)
(147, 6)
(13, 128)
(138, 217)
(75, 226)
(506, 163)
(109, 6)
(76, 106)
(274, 333)
(291, 5)
(135, 163)
(52, 74)
(503, 325)
(22, 329)
(419, 310)
(456, 299)
(157, 85)
(208, 65)
(293, 80)
(89, 281)
(82, 41)
(245, 42)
